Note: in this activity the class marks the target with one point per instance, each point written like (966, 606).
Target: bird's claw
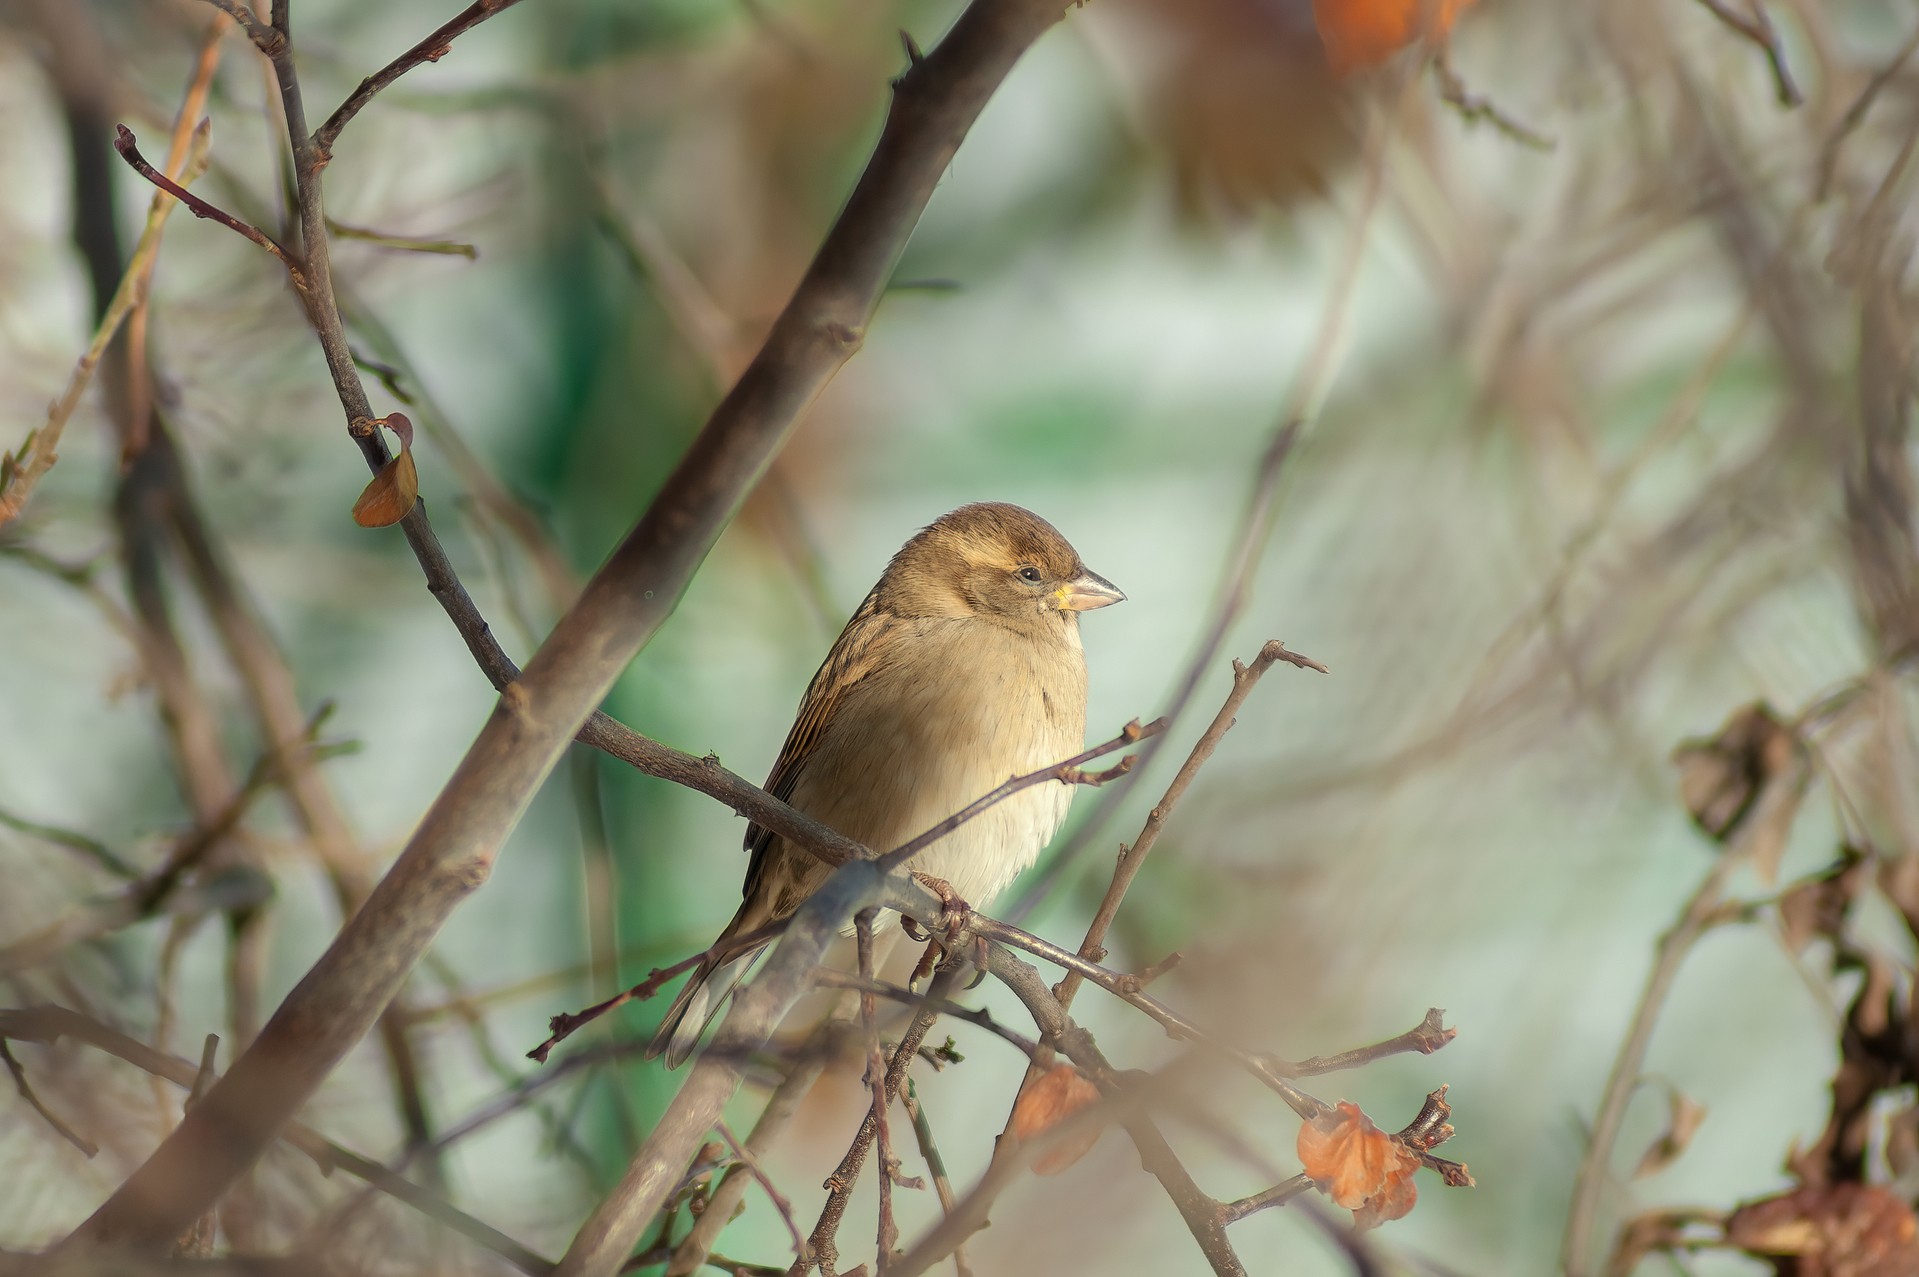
(955, 917)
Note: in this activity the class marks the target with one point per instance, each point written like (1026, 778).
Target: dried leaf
(1720, 778)
(1358, 1166)
(1053, 1097)
(390, 494)
(402, 427)
(1840, 1230)
(1817, 906)
(1686, 1115)
(1362, 33)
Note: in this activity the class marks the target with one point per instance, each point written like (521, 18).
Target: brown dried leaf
(1744, 785)
(1052, 1098)
(1686, 1115)
(1358, 1166)
(1817, 906)
(1720, 777)
(1841, 1230)
(390, 494)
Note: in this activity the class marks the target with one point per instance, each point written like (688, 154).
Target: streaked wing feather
(855, 656)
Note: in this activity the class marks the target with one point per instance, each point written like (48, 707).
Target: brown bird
(962, 668)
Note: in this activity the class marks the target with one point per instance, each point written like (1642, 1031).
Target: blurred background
(1605, 439)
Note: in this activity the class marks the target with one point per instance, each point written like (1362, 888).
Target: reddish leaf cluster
(1359, 1166)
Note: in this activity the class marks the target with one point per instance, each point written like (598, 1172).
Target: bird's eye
(1030, 575)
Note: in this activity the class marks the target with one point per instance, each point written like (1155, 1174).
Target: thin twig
(935, 1165)
(1759, 29)
(1476, 108)
(123, 142)
(1245, 678)
(821, 1250)
(431, 49)
(145, 896)
(1856, 113)
(566, 1024)
(1066, 772)
(752, 1164)
(802, 1072)
(47, 1115)
(1595, 1166)
(1277, 1195)
(833, 978)
(887, 1232)
(48, 1024)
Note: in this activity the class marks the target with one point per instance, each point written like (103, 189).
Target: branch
(48, 1024)
(33, 1101)
(1272, 1070)
(452, 851)
(1231, 597)
(611, 1231)
(145, 896)
(1245, 678)
(566, 1024)
(693, 1249)
(431, 49)
(1759, 29)
(1066, 772)
(124, 143)
(820, 1251)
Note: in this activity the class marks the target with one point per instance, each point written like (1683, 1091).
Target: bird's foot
(955, 917)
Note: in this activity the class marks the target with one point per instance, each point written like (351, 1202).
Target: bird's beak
(1087, 591)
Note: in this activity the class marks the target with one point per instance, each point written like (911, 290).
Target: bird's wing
(858, 652)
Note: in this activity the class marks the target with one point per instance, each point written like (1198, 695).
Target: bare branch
(123, 142)
(431, 49)
(33, 1101)
(49, 1024)
(1759, 29)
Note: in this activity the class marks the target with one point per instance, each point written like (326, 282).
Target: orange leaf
(1358, 1165)
(389, 494)
(1053, 1097)
(1362, 33)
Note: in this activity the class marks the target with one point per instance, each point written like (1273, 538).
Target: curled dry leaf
(391, 494)
(1816, 907)
(1840, 1230)
(1683, 1122)
(1720, 777)
(1359, 1166)
(1362, 33)
(1051, 1099)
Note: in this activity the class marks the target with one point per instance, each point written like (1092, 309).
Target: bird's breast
(967, 707)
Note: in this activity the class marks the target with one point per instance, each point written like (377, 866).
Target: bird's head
(997, 562)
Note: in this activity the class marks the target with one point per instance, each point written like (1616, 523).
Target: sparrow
(961, 669)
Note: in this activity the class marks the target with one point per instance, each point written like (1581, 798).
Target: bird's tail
(699, 1003)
